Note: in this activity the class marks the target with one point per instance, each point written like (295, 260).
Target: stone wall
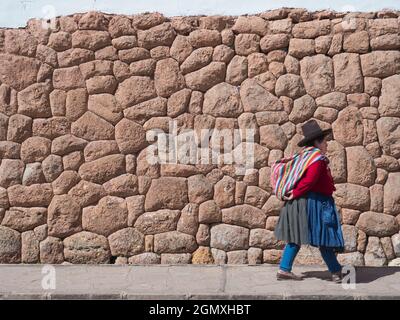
(76, 103)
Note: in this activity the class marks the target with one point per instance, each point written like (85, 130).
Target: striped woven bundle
(287, 171)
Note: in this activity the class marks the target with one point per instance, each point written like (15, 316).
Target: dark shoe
(284, 275)
(337, 277)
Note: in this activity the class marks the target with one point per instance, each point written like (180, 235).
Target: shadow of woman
(363, 274)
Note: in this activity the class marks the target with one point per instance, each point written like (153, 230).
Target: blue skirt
(324, 229)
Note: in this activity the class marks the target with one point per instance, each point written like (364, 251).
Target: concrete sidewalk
(189, 282)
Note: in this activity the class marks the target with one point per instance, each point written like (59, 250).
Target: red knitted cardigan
(317, 178)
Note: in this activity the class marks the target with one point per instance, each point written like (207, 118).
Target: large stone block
(207, 77)
(352, 196)
(390, 97)
(34, 102)
(68, 78)
(108, 216)
(174, 242)
(24, 219)
(36, 195)
(64, 216)
(10, 248)
(163, 220)
(222, 100)
(388, 129)
(167, 77)
(348, 75)
(391, 198)
(229, 237)
(256, 98)
(167, 193)
(86, 248)
(317, 75)
(126, 242)
(312, 29)
(18, 72)
(360, 166)
(11, 172)
(348, 128)
(134, 90)
(103, 169)
(160, 35)
(377, 224)
(244, 215)
(380, 64)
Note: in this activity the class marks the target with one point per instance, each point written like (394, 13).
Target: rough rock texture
(82, 108)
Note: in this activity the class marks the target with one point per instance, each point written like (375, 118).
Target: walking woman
(309, 216)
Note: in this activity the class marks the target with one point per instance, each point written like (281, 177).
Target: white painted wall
(15, 13)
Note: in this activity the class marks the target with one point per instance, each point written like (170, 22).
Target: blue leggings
(291, 250)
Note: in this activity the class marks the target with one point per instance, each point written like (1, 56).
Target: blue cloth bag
(324, 222)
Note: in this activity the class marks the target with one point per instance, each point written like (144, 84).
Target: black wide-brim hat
(311, 131)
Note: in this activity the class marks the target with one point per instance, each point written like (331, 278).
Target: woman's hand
(288, 196)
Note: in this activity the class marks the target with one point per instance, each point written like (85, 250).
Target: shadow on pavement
(363, 274)
(370, 274)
